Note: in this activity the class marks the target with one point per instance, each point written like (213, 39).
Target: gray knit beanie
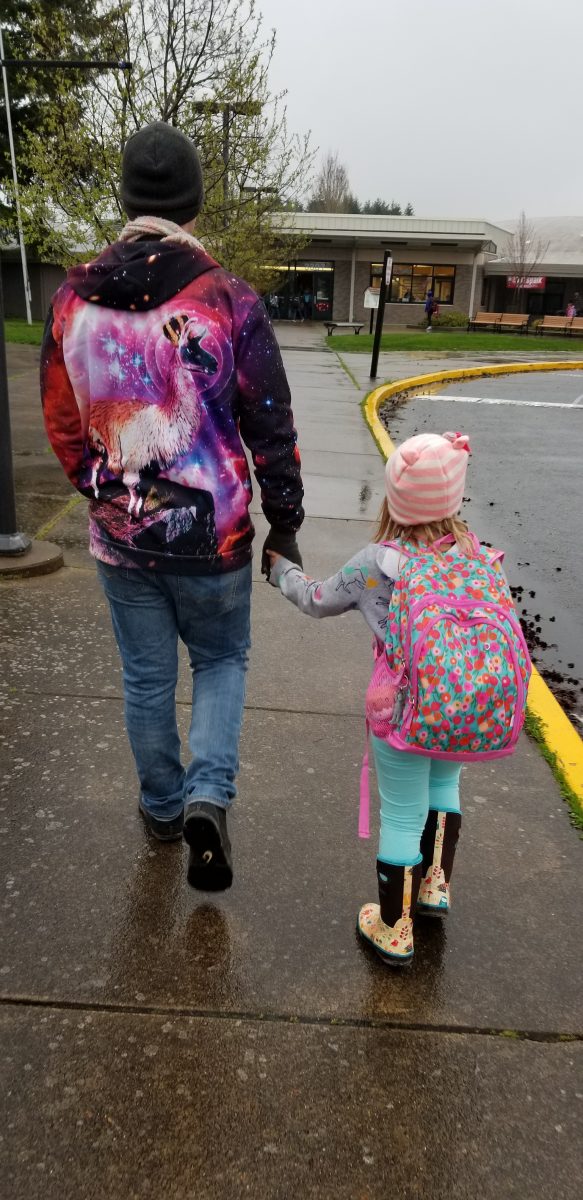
(161, 175)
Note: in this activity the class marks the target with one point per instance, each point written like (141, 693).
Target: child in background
(431, 309)
(420, 814)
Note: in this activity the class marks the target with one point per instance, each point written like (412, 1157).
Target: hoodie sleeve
(266, 421)
(60, 409)
(359, 584)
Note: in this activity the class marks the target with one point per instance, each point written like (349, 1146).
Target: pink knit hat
(425, 478)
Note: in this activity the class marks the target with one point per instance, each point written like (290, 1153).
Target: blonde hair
(389, 530)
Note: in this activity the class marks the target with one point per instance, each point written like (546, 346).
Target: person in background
(430, 309)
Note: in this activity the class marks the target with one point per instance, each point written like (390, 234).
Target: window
(410, 282)
(443, 281)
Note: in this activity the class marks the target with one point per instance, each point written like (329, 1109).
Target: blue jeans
(210, 613)
(409, 786)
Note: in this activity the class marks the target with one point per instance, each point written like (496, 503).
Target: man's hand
(283, 544)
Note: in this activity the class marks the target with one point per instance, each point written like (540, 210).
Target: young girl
(420, 805)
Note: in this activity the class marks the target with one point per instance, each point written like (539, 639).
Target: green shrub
(449, 319)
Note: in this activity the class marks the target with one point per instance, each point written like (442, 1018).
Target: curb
(554, 729)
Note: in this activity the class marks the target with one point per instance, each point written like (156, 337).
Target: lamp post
(25, 279)
(12, 543)
(228, 109)
(385, 285)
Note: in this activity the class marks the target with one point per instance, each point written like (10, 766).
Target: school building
(462, 261)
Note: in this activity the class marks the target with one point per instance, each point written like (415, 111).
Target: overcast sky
(466, 108)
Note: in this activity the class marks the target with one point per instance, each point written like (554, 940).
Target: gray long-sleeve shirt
(365, 583)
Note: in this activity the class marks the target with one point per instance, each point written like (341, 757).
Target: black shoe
(164, 831)
(210, 866)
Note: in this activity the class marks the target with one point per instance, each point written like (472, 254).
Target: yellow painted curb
(63, 512)
(559, 736)
(433, 382)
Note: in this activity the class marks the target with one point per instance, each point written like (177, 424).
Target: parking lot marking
(491, 400)
(576, 403)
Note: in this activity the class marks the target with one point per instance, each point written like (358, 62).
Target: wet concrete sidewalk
(157, 1042)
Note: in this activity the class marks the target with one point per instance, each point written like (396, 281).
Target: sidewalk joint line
(303, 1019)
(118, 698)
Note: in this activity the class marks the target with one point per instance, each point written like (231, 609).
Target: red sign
(531, 283)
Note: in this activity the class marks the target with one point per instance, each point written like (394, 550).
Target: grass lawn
(19, 331)
(455, 341)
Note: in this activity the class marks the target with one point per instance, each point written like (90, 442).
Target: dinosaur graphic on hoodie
(156, 366)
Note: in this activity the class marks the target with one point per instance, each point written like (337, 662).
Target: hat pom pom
(461, 441)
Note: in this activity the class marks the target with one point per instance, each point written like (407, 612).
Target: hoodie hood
(136, 276)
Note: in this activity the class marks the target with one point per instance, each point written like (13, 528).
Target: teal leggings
(409, 785)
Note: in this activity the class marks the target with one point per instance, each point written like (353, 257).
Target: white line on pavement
(490, 400)
(577, 402)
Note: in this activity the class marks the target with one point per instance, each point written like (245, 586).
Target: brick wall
(396, 314)
(341, 300)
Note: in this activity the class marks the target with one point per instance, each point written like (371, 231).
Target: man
(155, 363)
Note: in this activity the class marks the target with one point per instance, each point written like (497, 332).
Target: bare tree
(524, 251)
(332, 188)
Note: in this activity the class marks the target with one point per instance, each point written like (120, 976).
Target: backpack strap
(447, 540)
(399, 548)
(364, 805)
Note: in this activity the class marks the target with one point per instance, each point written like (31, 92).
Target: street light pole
(226, 153)
(228, 110)
(11, 542)
(385, 284)
(25, 278)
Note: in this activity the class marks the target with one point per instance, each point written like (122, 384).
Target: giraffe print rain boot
(438, 846)
(388, 925)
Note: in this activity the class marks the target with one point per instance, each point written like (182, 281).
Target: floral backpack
(452, 677)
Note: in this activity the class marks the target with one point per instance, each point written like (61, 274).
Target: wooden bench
(332, 325)
(576, 325)
(554, 325)
(514, 321)
(482, 319)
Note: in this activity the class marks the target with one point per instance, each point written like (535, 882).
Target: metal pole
(80, 64)
(352, 278)
(226, 130)
(385, 283)
(11, 542)
(25, 279)
(473, 287)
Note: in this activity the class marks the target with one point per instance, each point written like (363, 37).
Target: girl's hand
(273, 557)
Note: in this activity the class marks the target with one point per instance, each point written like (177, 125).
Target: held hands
(279, 545)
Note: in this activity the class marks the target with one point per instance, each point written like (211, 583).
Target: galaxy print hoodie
(155, 363)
